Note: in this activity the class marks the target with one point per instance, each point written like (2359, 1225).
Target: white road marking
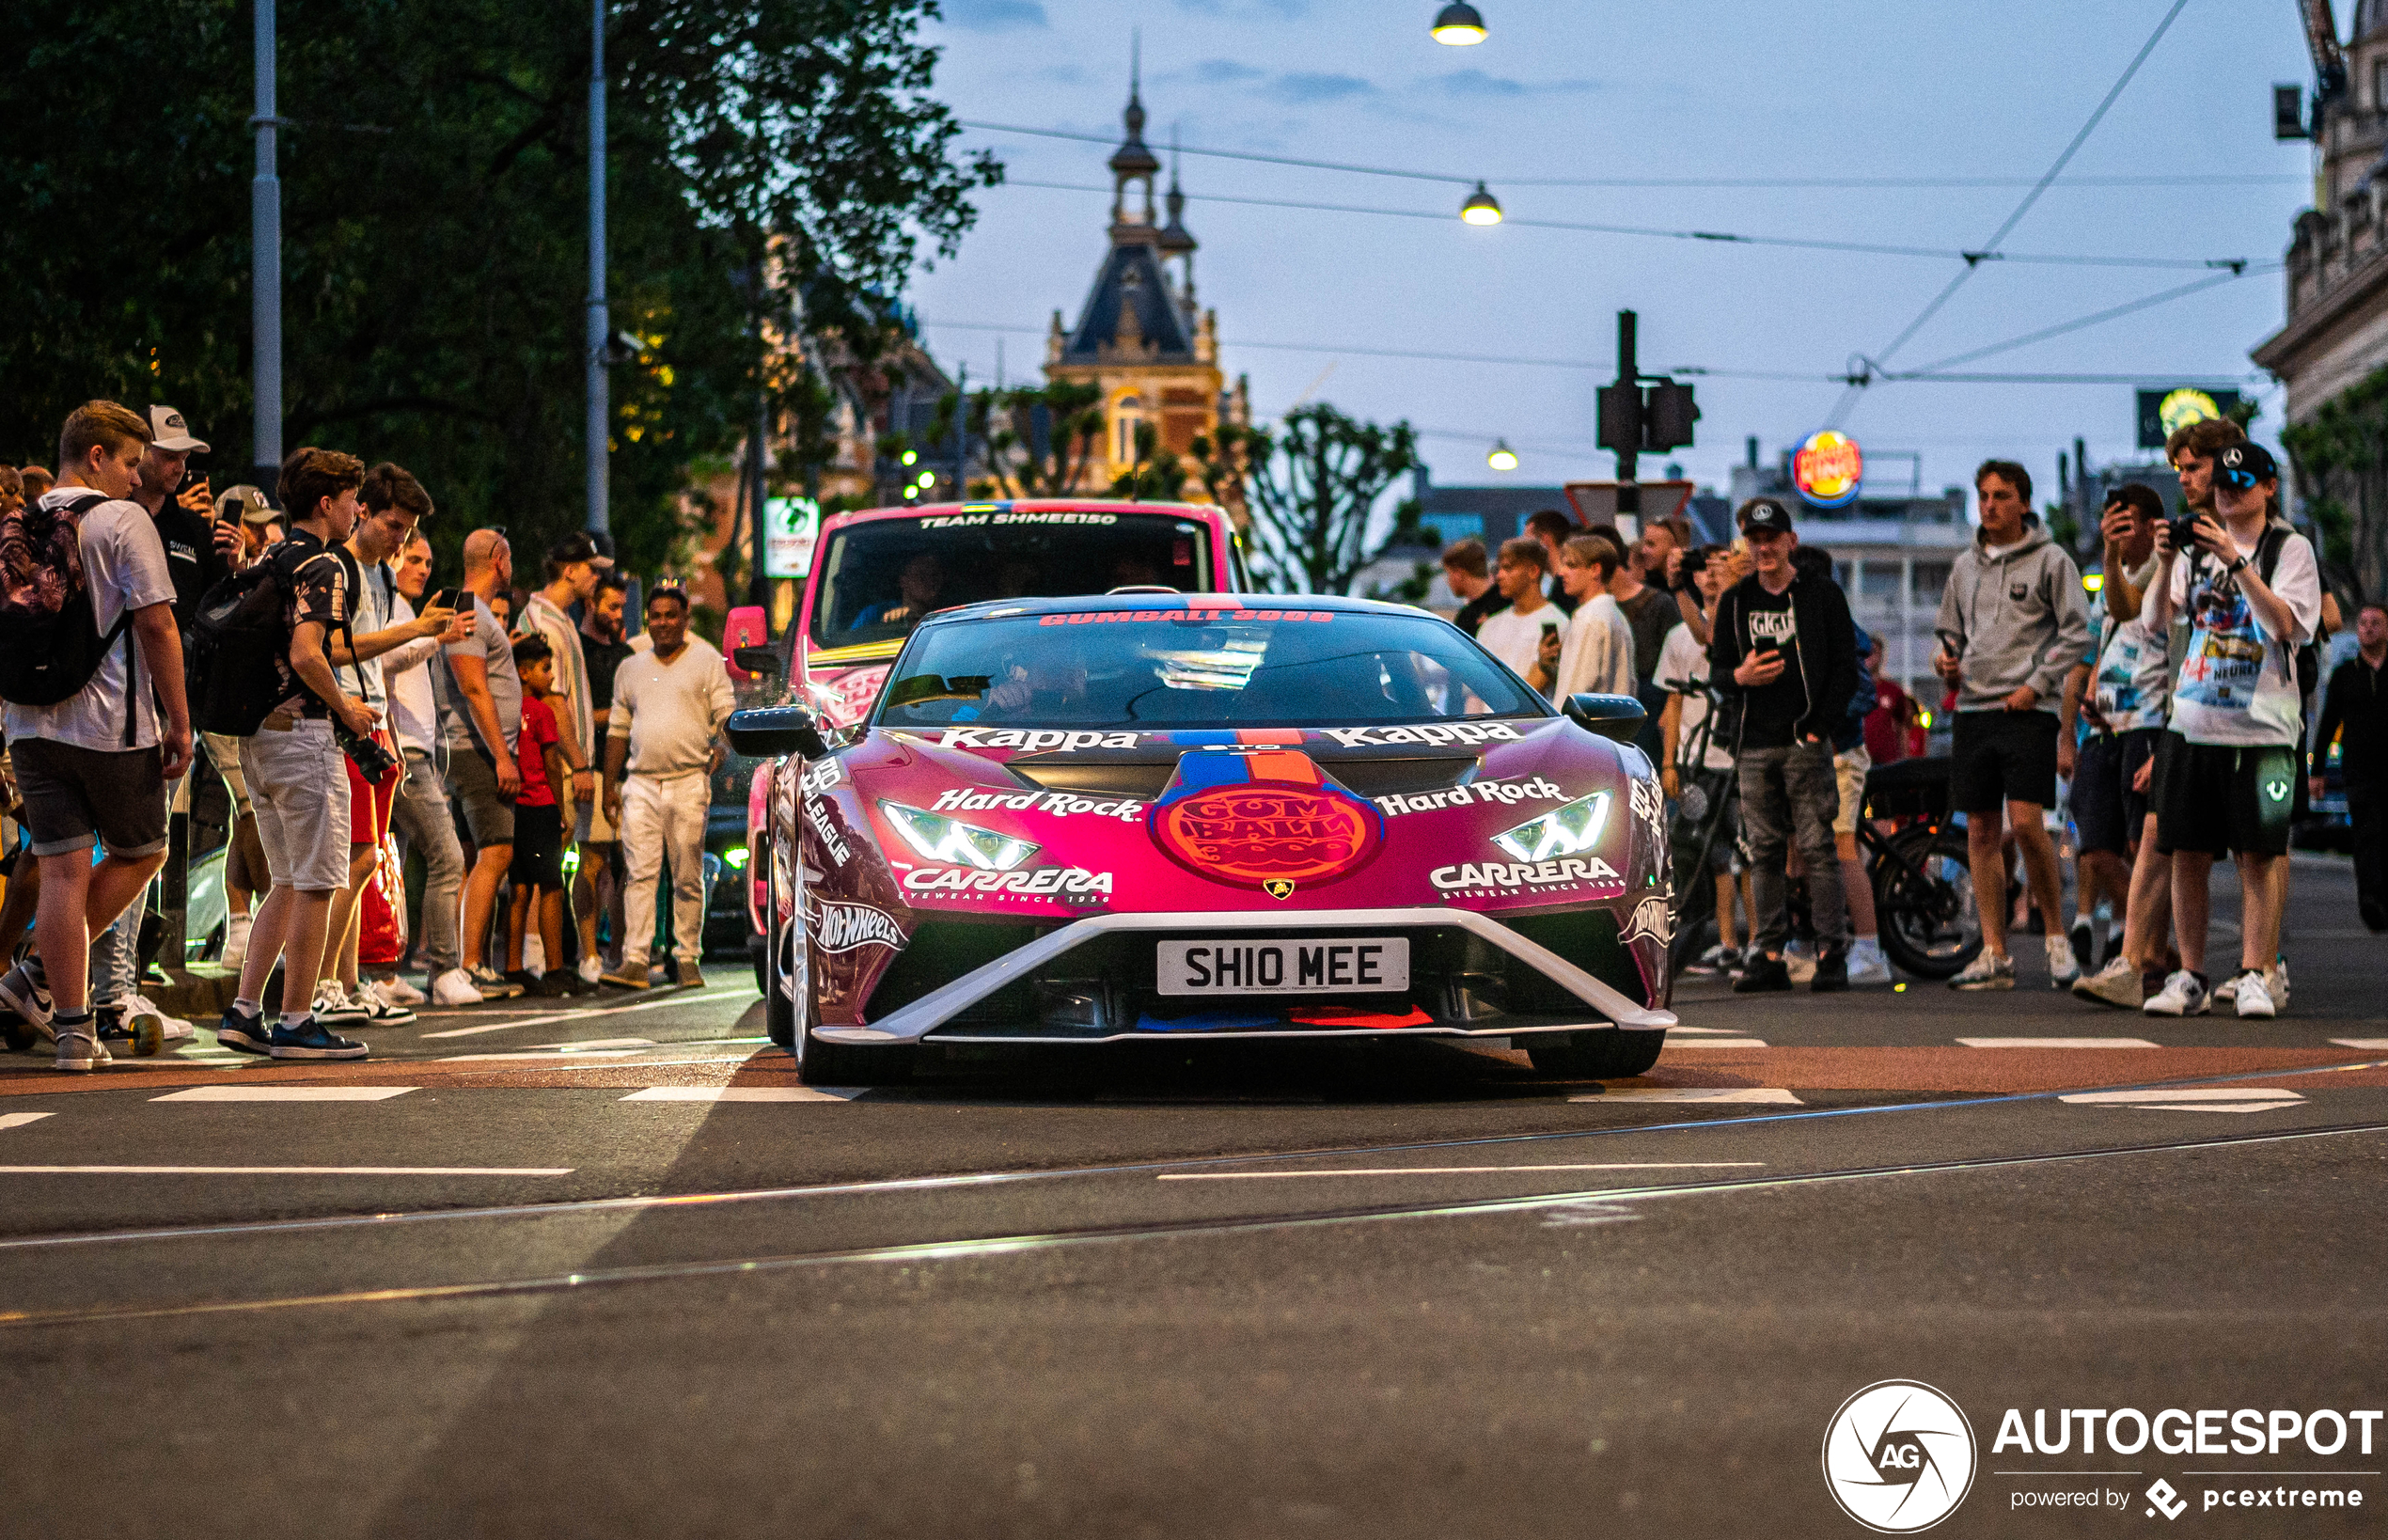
(1709, 1031)
(673, 998)
(545, 1053)
(1462, 1171)
(2056, 1043)
(18, 1120)
(1719, 1043)
(286, 1170)
(599, 1044)
(747, 1093)
(1771, 1095)
(284, 1093)
(2369, 1045)
(2193, 1099)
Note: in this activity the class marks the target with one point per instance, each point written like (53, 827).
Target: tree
(1037, 440)
(434, 221)
(1311, 487)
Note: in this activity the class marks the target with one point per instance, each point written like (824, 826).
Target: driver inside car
(918, 586)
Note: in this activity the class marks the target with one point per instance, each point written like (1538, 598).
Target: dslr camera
(374, 763)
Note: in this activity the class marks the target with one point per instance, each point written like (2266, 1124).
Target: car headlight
(1570, 830)
(939, 838)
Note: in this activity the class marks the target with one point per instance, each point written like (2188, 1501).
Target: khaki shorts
(1848, 768)
(300, 795)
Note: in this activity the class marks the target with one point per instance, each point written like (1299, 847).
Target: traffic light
(1633, 419)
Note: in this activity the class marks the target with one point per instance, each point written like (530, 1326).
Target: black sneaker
(310, 1038)
(1767, 975)
(2375, 915)
(1831, 971)
(2084, 947)
(243, 1033)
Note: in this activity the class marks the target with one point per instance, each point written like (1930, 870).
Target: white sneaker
(331, 1006)
(2228, 988)
(2182, 996)
(1988, 971)
(1868, 965)
(454, 987)
(2063, 968)
(2255, 998)
(2276, 981)
(397, 991)
(590, 969)
(236, 941)
(1799, 959)
(2117, 984)
(381, 1013)
(175, 1028)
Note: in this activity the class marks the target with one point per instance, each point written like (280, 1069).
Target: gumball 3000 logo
(1898, 1456)
(1268, 820)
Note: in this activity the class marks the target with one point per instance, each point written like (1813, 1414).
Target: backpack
(50, 640)
(241, 634)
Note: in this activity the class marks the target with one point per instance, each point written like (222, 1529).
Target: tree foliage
(1311, 486)
(2339, 457)
(434, 228)
(1036, 440)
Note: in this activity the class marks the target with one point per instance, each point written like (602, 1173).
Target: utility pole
(600, 329)
(1628, 379)
(759, 586)
(1632, 420)
(265, 255)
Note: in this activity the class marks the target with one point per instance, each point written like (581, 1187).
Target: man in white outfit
(669, 704)
(1597, 655)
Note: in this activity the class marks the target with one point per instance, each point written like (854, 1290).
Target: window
(1930, 578)
(1127, 416)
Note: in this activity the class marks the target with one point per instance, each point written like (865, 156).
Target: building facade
(1140, 340)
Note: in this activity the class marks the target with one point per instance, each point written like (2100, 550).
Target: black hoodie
(1824, 651)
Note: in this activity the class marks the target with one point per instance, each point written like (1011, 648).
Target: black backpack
(232, 659)
(50, 639)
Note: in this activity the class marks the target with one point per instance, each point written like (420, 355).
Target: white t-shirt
(671, 712)
(406, 673)
(1597, 655)
(2132, 686)
(2238, 683)
(1683, 670)
(1516, 639)
(124, 568)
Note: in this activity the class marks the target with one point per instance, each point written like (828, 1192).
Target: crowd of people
(292, 642)
(2173, 700)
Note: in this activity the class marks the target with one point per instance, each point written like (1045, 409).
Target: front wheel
(1613, 1054)
(1923, 901)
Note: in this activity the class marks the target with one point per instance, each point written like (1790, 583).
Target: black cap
(1765, 514)
(2245, 465)
(578, 546)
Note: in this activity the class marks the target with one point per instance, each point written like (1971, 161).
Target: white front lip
(912, 1021)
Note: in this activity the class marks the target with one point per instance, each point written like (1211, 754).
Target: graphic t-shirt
(123, 568)
(2132, 685)
(2238, 683)
(1516, 639)
(538, 737)
(1683, 670)
(320, 593)
(1768, 619)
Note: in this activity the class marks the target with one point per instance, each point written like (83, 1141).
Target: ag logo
(1898, 1456)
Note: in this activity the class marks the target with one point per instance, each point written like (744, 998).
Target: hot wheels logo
(843, 927)
(1263, 820)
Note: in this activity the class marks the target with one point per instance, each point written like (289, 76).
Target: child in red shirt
(538, 870)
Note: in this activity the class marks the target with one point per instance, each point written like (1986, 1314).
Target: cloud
(1304, 89)
(1476, 83)
(996, 15)
(1226, 72)
(1288, 9)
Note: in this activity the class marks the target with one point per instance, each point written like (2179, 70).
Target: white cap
(168, 432)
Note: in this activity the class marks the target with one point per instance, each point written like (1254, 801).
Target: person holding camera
(2013, 624)
(292, 764)
(1785, 644)
(2250, 590)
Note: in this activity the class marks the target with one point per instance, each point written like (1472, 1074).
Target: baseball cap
(245, 501)
(168, 432)
(1765, 514)
(578, 546)
(2245, 465)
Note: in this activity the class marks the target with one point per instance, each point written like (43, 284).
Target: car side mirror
(758, 660)
(1617, 717)
(768, 732)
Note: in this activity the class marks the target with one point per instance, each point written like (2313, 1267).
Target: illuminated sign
(1827, 469)
(2165, 411)
(791, 525)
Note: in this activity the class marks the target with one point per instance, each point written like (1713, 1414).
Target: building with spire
(1141, 338)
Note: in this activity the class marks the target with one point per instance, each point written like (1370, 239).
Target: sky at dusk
(1582, 91)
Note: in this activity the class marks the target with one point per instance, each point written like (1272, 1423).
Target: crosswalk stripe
(2056, 1043)
(18, 1120)
(286, 1170)
(2369, 1045)
(1718, 1043)
(1772, 1095)
(284, 1093)
(747, 1093)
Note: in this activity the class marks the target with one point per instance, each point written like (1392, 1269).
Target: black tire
(759, 947)
(19, 1034)
(1612, 1054)
(1923, 902)
(779, 1008)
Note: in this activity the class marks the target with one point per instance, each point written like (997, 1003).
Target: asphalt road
(610, 1268)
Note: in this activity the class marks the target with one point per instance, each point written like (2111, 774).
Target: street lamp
(1458, 24)
(1503, 458)
(1481, 208)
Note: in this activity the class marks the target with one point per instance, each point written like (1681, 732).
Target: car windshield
(1176, 668)
(879, 578)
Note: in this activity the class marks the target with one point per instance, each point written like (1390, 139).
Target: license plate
(1338, 965)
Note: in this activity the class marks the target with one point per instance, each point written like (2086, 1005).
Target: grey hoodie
(2023, 617)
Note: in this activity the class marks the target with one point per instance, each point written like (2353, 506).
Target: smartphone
(442, 598)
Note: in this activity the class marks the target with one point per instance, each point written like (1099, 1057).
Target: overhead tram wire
(1850, 397)
(1688, 182)
(2111, 313)
(1712, 236)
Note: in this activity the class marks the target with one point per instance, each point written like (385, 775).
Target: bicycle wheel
(1923, 901)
